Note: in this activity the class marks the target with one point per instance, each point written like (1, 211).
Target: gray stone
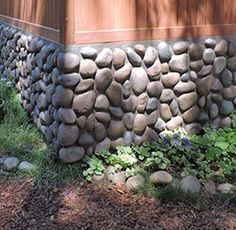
(221, 48)
(231, 49)
(84, 103)
(190, 184)
(149, 135)
(104, 58)
(134, 182)
(179, 63)
(42, 102)
(167, 95)
(25, 165)
(155, 88)
(154, 71)
(165, 67)
(67, 134)
(231, 64)
(50, 90)
(69, 80)
(115, 129)
(184, 87)
(204, 85)
(114, 176)
(160, 125)
(133, 57)
(174, 123)
(150, 56)
(140, 123)
(71, 154)
(68, 62)
(210, 187)
(185, 77)
(210, 43)
(103, 145)
(84, 85)
(130, 104)
(138, 139)
(208, 56)
(142, 102)
(126, 89)
(138, 80)
(216, 123)
(193, 128)
(128, 138)
(226, 122)
(219, 64)
(191, 115)
(128, 120)
(103, 117)
(214, 111)
(170, 80)
(203, 117)
(174, 108)
(116, 112)
(193, 76)
(123, 73)
(114, 93)
(99, 131)
(161, 178)
(206, 69)
(195, 52)
(86, 139)
(216, 97)
(101, 102)
(216, 86)
(187, 100)
(81, 122)
(103, 79)
(152, 118)
(67, 116)
(11, 163)
(165, 112)
(119, 57)
(226, 107)
(226, 78)
(90, 122)
(229, 92)
(88, 52)
(226, 188)
(180, 47)
(140, 49)
(87, 68)
(63, 97)
(152, 104)
(117, 142)
(98, 179)
(196, 65)
(164, 51)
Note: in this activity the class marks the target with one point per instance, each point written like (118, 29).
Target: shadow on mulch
(66, 206)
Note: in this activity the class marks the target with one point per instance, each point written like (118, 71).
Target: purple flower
(166, 142)
(186, 142)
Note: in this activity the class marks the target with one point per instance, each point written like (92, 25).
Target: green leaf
(212, 152)
(222, 145)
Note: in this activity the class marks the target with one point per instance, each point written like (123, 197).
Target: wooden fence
(92, 21)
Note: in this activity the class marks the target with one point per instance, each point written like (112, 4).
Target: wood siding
(92, 21)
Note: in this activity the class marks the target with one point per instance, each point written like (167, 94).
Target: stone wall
(94, 100)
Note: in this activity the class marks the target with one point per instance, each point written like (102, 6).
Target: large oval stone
(103, 79)
(71, 154)
(187, 100)
(68, 62)
(174, 123)
(229, 92)
(84, 103)
(179, 63)
(221, 48)
(63, 97)
(195, 52)
(101, 102)
(231, 63)
(167, 95)
(84, 85)
(155, 88)
(226, 78)
(128, 120)
(115, 129)
(123, 73)
(180, 47)
(191, 114)
(67, 116)
(164, 51)
(138, 80)
(184, 87)
(99, 131)
(226, 107)
(150, 56)
(133, 57)
(103, 145)
(119, 57)
(69, 80)
(170, 80)
(165, 112)
(140, 123)
(219, 64)
(154, 71)
(87, 68)
(67, 134)
(204, 85)
(114, 93)
(104, 58)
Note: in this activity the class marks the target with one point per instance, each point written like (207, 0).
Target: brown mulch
(22, 206)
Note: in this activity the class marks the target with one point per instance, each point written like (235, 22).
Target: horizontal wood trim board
(49, 33)
(86, 37)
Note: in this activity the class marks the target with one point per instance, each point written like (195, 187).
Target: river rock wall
(96, 100)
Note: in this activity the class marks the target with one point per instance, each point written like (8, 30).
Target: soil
(67, 206)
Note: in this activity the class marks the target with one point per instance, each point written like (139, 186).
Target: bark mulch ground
(23, 206)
